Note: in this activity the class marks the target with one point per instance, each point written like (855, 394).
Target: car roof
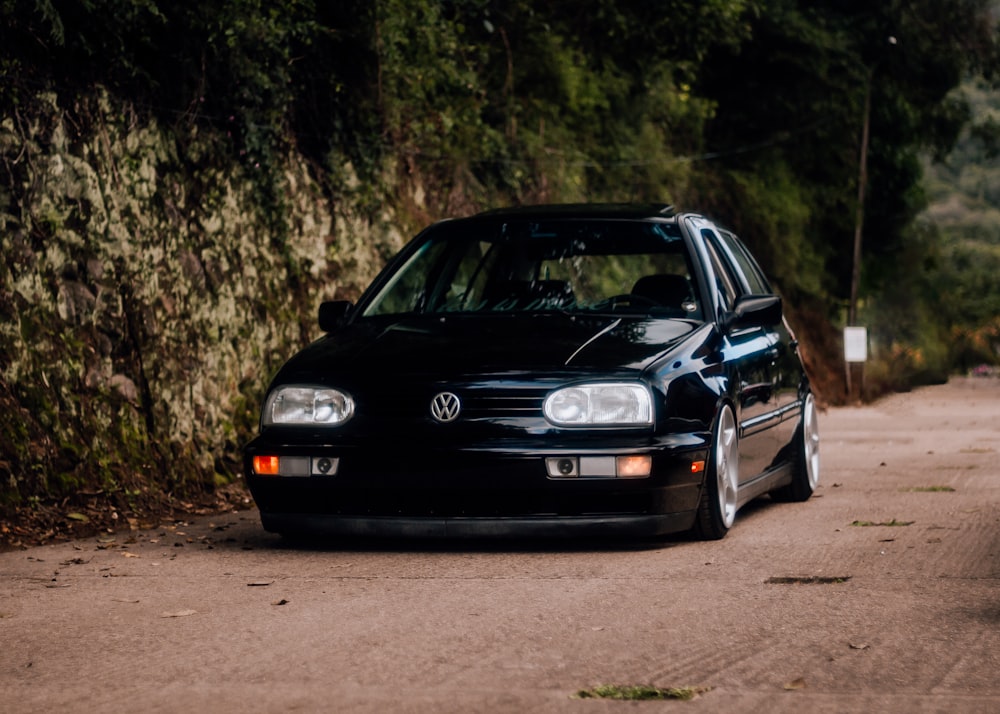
(633, 211)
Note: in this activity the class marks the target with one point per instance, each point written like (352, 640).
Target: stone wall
(147, 295)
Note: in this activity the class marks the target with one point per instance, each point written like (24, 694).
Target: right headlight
(601, 404)
(307, 406)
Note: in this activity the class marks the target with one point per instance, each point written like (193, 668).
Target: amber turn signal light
(265, 465)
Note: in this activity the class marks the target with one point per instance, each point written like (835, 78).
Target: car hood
(467, 345)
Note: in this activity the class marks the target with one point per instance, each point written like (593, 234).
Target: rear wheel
(805, 468)
(717, 508)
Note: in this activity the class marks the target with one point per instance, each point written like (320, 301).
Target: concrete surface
(802, 608)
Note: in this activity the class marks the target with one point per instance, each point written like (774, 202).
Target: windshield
(521, 266)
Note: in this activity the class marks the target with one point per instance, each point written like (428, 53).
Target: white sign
(855, 344)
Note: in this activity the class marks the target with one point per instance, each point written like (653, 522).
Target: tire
(805, 465)
(717, 507)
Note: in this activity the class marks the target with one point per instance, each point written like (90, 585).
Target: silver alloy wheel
(727, 466)
(810, 442)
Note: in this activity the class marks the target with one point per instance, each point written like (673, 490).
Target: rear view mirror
(333, 314)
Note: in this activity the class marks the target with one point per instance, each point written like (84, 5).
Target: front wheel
(805, 468)
(717, 507)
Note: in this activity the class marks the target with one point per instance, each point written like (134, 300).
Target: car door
(753, 354)
(786, 367)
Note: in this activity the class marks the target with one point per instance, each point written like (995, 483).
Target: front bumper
(486, 491)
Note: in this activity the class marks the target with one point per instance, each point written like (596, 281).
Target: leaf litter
(640, 692)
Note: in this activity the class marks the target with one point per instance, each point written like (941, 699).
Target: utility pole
(856, 337)
(859, 215)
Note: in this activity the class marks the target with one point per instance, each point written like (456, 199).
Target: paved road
(796, 610)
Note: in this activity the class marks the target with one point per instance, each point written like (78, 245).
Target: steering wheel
(631, 299)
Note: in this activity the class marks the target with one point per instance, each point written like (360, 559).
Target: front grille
(477, 402)
(513, 402)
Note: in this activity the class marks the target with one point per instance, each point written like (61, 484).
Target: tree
(793, 97)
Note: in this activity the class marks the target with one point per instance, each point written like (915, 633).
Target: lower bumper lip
(459, 527)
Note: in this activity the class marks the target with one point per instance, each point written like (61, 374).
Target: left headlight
(308, 406)
(610, 404)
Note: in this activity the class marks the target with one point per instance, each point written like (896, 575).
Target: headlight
(307, 406)
(611, 404)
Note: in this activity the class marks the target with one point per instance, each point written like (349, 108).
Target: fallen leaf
(179, 613)
(282, 601)
(122, 599)
(799, 683)
(858, 647)
(78, 517)
(126, 554)
(260, 583)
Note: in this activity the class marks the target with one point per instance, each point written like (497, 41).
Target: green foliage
(492, 102)
(907, 325)
(965, 195)
(771, 212)
(828, 55)
(67, 44)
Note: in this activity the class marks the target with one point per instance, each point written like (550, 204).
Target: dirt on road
(882, 593)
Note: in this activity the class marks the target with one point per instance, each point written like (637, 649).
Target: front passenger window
(725, 284)
(752, 273)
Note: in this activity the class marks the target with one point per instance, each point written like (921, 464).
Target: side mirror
(333, 314)
(753, 311)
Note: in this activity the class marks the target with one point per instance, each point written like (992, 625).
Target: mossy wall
(147, 293)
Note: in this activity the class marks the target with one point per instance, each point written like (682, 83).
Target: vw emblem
(445, 407)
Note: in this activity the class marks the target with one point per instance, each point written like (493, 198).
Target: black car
(539, 371)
